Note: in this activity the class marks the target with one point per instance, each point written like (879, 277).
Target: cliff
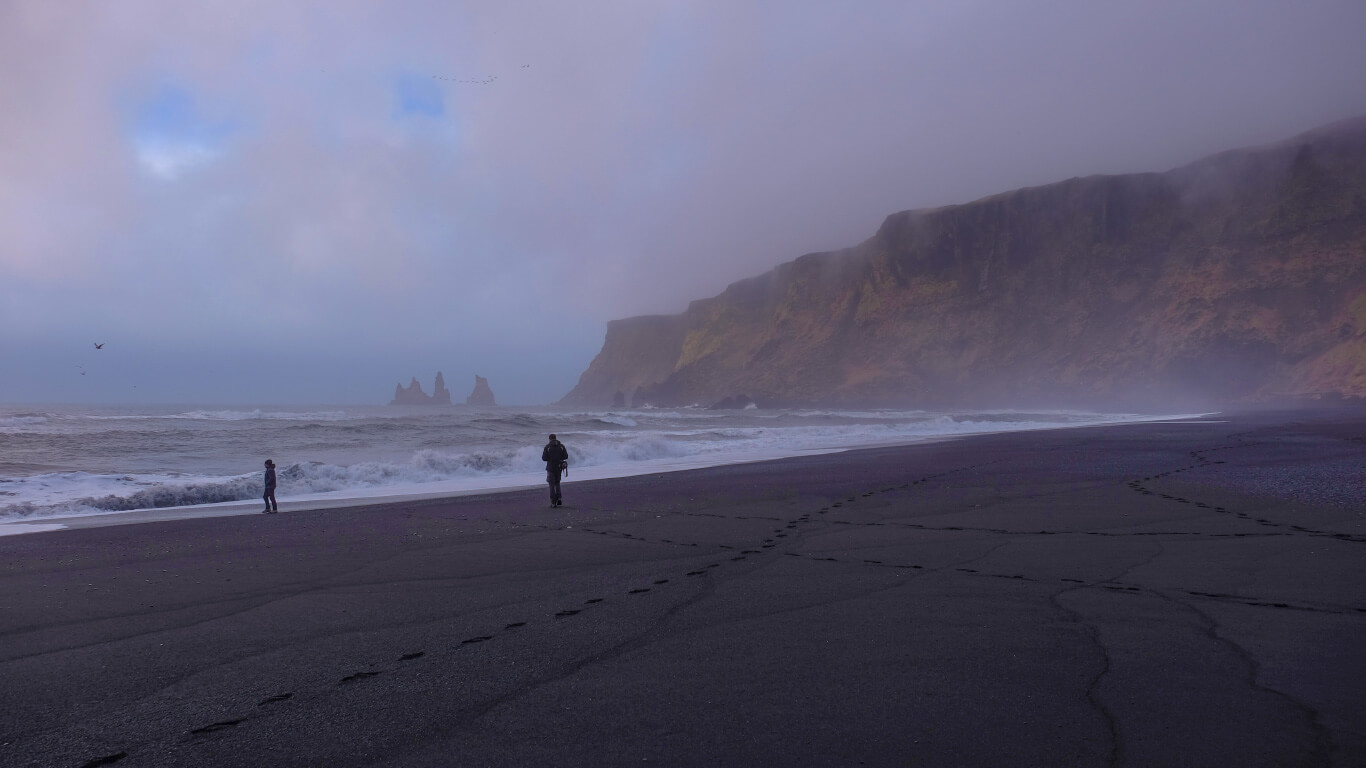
(482, 394)
(413, 394)
(1239, 277)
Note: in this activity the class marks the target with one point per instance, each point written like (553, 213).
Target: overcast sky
(307, 202)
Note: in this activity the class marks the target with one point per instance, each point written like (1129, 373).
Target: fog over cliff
(308, 201)
(1236, 280)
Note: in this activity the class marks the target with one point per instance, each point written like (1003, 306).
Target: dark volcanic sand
(1164, 594)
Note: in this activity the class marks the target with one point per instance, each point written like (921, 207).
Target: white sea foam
(471, 450)
(260, 414)
(22, 422)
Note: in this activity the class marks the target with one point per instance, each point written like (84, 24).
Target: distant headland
(1237, 278)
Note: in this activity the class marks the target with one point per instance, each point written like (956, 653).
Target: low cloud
(416, 186)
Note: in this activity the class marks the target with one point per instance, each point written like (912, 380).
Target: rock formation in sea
(481, 395)
(1239, 277)
(413, 394)
(441, 395)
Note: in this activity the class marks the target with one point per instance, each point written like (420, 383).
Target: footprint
(569, 612)
(356, 676)
(638, 591)
(278, 697)
(737, 557)
(592, 600)
(106, 760)
(697, 573)
(478, 639)
(210, 728)
(661, 581)
(413, 655)
(874, 562)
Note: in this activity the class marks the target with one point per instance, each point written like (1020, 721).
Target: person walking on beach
(271, 506)
(556, 458)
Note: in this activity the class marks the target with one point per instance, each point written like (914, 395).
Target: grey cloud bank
(307, 202)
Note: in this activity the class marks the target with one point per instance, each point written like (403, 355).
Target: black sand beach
(1144, 595)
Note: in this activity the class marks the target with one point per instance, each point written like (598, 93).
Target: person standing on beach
(556, 458)
(271, 506)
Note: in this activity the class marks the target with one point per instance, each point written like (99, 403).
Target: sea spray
(73, 460)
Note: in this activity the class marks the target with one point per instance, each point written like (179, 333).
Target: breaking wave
(82, 493)
(195, 457)
(259, 414)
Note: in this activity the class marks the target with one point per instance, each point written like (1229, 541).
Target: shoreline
(1166, 593)
(363, 497)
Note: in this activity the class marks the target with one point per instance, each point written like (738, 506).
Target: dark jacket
(270, 477)
(553, 454)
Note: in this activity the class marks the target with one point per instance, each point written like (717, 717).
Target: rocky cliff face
(1238, 277)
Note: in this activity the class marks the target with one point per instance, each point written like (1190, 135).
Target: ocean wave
(76, 493)
(612, 441)
(22, 422)
(259, 414)
(516, 420)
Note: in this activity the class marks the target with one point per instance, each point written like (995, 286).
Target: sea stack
(441, 395)
(481, 395)
(413, 394)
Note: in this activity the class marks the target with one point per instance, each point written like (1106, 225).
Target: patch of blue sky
(171, 135)
(422, 111)
(418, 96)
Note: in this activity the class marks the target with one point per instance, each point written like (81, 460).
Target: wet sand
(1157, 594)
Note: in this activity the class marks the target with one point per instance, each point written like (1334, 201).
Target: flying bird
(100, 346)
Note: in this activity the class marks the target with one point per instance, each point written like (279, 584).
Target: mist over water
(66, 460)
